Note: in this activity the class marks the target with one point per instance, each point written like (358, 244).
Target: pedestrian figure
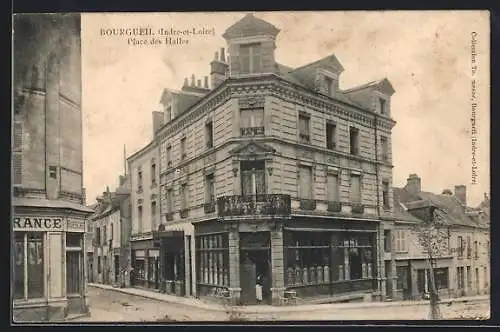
(258, 289)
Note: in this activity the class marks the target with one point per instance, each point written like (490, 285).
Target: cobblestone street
(112, 306)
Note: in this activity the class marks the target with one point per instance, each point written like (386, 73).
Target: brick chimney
(218, 68)
(461, 194)
(121, 180)
(158, 118)
(413, 184)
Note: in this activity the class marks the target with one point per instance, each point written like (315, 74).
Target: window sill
(29, 303)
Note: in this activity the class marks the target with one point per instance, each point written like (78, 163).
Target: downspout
(379, 252)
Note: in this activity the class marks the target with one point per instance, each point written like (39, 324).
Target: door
(248, 280)
(477, 280)
(73, 273)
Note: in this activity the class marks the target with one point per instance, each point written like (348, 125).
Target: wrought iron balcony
(184, 213)
(267, 204)
(334, 206)
(307, 204)
(169, 216)
(304, 137)
(357, 208)
(252, 131)
(209, 207)
(331, 145)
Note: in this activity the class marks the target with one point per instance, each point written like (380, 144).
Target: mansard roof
(382, 85)
(250, 26)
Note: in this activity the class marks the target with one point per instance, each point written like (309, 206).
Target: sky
(425, 55)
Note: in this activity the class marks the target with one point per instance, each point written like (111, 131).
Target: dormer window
(250, 58)
(382, 106)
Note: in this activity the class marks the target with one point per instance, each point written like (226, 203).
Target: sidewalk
(256, 309)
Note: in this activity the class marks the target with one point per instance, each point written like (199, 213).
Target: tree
(433, 234)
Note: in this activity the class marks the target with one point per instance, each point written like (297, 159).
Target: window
(306, 183)
(139, 180)
(153, 215)
(400, 238)
(111, 230)
(183, 194)
(183, 148)
(441, 278)
(304, 128)
(354, 140)
(333, 187)
(209, 134)
(98, 235)
(402, 274)
(385, 195)
(99, 264)
(469, 278)
(252, 122)
(53, 172)
(18, 137)
(209, 193)
(250, 58)
(169, 156)
(383, 106)
(139, 218)
(331, 130)
(385, 148)
(355, 189)
(387, 240)
(329, 85)
(153, 173)
(320, 257)
(104, 238)
(253, 178)
(212, 253)
(169, 113)
(28, 266)
(488, 248)
(460, 277)
(169, 201)
(460, 249)
(469, 248)
(17, 168)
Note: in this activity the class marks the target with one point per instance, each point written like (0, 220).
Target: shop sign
(26, 223)
(76, 225)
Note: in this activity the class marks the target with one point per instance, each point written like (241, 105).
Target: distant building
(145, 212)
(48, 222)
(110, 260)
(462, 269)
(271, 173)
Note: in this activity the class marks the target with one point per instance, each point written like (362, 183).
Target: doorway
(255, 268)
(117, 268)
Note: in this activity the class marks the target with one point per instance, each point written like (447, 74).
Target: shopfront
(301, 256)
(145, 265)
(48, 265)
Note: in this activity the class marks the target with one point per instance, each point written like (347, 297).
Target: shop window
(28, 266)
(213, 259)
(402, 274)
(73, 240)
(319, 258)
(441, 278)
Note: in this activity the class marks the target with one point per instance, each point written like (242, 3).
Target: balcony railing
(307, 204)
(184, 213)
(252, 131)
(304, 137)
(357, 208)
(331, 145)
(170, 216)
(209, 207)
(334, 206)
(267, 204)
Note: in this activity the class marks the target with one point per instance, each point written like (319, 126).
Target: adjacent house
(461, 268)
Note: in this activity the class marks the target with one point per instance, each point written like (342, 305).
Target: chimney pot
(413, 184)
(216, 56)
(222, 55)
(192, 80)
(206, 82)
(186, 82)
(198, 83)
(461, 194)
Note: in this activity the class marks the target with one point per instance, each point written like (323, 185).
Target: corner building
(48, 268)
(274, 175)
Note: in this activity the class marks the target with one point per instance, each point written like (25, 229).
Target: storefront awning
(307, 229)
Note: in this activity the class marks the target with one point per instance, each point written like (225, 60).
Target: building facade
(48, 263)
(462, 266)
(144, 200)
(111, 261)
(273, 175)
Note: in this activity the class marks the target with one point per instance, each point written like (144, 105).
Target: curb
(299, 308)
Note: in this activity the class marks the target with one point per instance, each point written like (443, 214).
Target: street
(112, 306)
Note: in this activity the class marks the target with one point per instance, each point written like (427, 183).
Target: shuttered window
(305, 182)
(333, 187)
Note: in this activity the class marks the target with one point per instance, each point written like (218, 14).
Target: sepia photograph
(241, 167)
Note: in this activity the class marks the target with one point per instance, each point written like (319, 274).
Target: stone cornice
(272, 85)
